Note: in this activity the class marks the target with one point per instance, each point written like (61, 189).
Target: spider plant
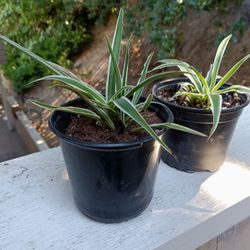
(121, 105)
(207, 90)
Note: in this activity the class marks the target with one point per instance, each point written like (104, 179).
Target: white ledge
(37, 210)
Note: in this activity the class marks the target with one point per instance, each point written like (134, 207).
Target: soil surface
(88, 130)
(229, 100)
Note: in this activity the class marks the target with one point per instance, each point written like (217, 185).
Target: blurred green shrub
(237, 29)
(53, 29)
(101, 10)
(57, 29)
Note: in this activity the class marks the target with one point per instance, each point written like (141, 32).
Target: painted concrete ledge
(37, 210)
(18, 121)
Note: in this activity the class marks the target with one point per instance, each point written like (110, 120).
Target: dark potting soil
(229, 100)
(88, 130)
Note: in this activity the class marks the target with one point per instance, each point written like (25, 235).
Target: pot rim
(108, 146)
(174, 81)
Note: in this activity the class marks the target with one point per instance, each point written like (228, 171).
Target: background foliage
(158, 19)
(55, 30)
(59, 29)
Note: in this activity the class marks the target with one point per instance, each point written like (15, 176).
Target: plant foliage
(207, 90)
(121, 103)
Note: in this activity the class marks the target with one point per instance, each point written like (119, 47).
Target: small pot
(196, 153)
(111, 182)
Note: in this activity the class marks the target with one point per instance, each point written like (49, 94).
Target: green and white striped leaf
(217, 61)
(82, 95)
(202, 80)
(144, 71)
(234, 88)
(126, 64)
(216, 103)
(126, 106)
(208, 76)
(153, 78)
(120, 92)
(147, 102)
(63, 71)
(171, 125)
(80, 86)
(166, 63)
(116, 70)
(100, 108)
(125, 78)
(230, 73)
(187, 70)
(192, 76)
(69, 109)
(144, 105)
(116, 47)
(180, 93)
(178, 127)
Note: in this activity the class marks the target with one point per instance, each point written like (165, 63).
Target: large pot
(111, 182)
(195, 153)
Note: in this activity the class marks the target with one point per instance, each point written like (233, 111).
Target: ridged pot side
(111, 182)
(195, 153)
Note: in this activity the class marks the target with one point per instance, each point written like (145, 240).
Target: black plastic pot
(111, 182)
(195, 153)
